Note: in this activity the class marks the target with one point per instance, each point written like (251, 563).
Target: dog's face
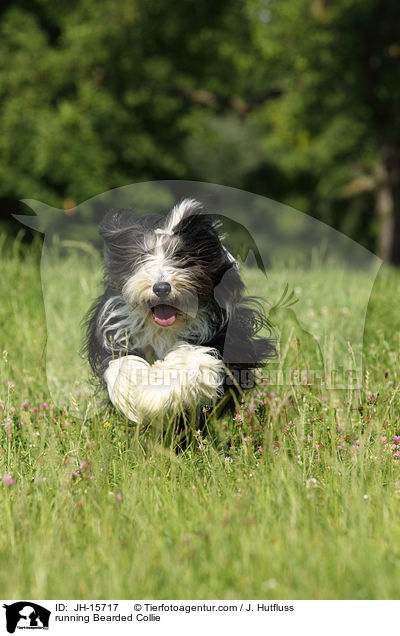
(160, 286)
(166, 268)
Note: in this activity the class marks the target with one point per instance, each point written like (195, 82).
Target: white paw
(123, 376)
(196, 375)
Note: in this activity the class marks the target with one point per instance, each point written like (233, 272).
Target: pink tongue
(164, 315)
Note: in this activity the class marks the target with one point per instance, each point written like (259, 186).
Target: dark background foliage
(297, 100)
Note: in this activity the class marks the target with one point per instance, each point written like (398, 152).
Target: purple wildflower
(8, 480)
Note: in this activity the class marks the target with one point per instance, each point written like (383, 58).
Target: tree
(294, 99)
(97, 96)
(338, 118)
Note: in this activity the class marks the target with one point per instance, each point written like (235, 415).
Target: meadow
(296, 496)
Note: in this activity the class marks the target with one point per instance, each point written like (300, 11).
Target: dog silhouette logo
(26, 615)
(317, 291)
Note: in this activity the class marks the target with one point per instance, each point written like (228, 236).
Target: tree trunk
(384, 209)
(388, 203)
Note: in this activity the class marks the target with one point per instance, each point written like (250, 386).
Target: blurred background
(296, 100)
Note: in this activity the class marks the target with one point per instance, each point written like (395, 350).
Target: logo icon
(26, 615)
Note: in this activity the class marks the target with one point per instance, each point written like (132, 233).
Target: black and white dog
(173, 317)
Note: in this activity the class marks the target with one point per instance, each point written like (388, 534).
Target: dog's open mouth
(164, 315)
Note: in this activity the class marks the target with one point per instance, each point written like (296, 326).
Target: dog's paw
(196, 375)
(123, 376)
(138, 390)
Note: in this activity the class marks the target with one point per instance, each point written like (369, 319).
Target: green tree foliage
(294, 99)
(338, 118)
(96, 96)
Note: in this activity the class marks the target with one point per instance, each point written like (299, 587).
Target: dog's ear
(115, 222)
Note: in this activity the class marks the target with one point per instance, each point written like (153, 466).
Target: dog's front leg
(188, 377)
(124, 377)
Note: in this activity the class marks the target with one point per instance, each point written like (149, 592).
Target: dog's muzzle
(163, 314)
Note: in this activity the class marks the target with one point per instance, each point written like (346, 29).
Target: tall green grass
(299, 497)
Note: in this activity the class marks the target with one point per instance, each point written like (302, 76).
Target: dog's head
(166, 268)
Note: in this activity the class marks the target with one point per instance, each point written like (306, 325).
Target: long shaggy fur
(163, 353)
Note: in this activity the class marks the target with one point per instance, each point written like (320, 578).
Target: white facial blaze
(183, 209)
(138, 290)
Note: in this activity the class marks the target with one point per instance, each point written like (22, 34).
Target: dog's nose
(162, 289)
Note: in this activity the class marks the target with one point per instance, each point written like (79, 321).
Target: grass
(296, 498)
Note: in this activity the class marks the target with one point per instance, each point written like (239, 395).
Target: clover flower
(8, 480)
